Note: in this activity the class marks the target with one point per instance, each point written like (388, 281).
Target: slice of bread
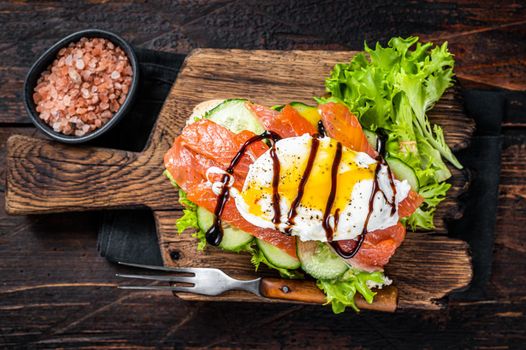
(203, 107)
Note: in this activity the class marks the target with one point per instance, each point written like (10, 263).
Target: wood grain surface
(57, 292)
(48, 177)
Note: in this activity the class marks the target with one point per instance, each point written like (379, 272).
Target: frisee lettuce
(189, 220)
(342, 291)
(390, 89)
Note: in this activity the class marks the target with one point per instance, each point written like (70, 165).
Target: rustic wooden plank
(275, 77)
(47, 177)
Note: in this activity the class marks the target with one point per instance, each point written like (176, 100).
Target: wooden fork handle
(307, 292)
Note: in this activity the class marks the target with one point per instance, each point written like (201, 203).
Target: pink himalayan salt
(82, 89)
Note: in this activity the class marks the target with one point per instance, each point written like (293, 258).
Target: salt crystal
(69, 60)
(115, 75)
(106, 115)
(45, 116)
(75, 77)
(79, 64)
(86, 75)
(114, 106)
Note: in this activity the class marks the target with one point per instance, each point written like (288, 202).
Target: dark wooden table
(55, 291)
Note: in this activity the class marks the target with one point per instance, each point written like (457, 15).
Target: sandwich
(324, 190)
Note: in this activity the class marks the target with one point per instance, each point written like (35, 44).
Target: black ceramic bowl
(49, 56)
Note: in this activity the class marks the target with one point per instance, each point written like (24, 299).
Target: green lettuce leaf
(189, 220)
(341, 292)
(391, 89)
(423, 216)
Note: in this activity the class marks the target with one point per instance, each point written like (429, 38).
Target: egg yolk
(318, 184)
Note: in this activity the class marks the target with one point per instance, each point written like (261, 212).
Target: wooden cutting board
(46, 177)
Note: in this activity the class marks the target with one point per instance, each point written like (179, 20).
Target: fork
(213, 282)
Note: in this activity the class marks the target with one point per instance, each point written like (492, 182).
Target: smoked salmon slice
(287, 123)
(377, 248)
(409, 204)
(343, 126)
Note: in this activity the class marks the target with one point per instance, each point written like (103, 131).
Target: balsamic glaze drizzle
(276, 167)
(332, 194)
(301, 187)
(376, 188)
(214, 235)
(321, 129)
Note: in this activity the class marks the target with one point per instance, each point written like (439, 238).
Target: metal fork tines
(205, 281)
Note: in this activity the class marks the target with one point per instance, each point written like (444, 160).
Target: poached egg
(352, 196)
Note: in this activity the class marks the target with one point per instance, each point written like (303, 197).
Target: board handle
(385, 300)
(46, 176)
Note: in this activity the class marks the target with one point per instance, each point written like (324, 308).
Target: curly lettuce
(342, 291)
(390, 89)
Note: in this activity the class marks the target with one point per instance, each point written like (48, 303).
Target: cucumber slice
(277, 257)
(205, 219)
(308, 112)
(236, 116)
(233, 238)
(372, 138)
(319, 261)
(402, 171)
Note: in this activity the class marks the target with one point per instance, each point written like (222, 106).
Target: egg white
(308, 221)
